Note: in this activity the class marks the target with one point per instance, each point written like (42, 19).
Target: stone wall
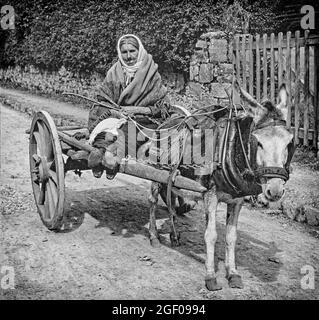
(36, 80)
(211, 69)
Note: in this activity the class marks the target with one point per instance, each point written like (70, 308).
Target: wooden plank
(306, 91)
(75, 143)
(264, 66)
(251, 65)
(64, 128)
(288, 78)
(141, 170)
(297, 80)
(243, 61)
(257, 68)
(301, 133)
(272, 68)
(313, 40)
(280, 58)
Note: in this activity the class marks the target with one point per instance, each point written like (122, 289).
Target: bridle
(268, 172)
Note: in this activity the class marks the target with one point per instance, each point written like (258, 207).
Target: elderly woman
(134, 83)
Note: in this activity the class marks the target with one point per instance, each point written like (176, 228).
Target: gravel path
(108, 256)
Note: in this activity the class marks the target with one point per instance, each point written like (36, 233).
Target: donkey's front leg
(233, 209)
(210, 207)
(153, 199)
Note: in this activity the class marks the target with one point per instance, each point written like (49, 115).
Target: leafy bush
(82, 35)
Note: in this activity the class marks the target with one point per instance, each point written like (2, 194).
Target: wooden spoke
(53, 190)
(41, 198)
(39, 142)
(53, 177)
(46, 140)
(50, 201)
(47, 213)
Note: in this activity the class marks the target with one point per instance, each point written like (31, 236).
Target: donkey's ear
(282, 101)
(254, 108)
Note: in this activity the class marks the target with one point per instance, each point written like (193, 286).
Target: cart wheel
(47, 170)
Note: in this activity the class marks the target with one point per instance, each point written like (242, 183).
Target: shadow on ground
(126, 208)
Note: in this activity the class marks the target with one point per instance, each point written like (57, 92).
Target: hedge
(81, 35)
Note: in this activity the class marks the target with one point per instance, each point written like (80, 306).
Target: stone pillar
(211, 69)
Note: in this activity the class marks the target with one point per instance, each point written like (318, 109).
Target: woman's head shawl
(131, 70)
(144, 89)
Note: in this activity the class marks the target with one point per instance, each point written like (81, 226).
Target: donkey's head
(273, 143)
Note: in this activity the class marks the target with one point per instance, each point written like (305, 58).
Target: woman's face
(129, 54)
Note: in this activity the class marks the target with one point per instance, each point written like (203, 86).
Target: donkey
(254, 159)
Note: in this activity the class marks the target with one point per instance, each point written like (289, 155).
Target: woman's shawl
(145, 89)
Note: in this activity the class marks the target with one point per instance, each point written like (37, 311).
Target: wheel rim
(47, 169)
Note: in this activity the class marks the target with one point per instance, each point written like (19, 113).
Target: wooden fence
(263, 62)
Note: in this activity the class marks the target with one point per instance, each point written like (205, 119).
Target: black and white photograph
(159, 150)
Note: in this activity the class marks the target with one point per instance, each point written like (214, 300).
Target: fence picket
(278, 59)
(251, 65)
(272, 67)
(297, 85)
(306, 92)
(243, 61)
(280, 56)
(265, 66)
(257, 67)
(288, 78)
(237, 57)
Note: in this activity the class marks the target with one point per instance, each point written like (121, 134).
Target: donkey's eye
(259, 145)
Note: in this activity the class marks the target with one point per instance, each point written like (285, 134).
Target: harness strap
(272, 172)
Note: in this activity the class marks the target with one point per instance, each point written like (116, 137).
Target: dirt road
(108, 256)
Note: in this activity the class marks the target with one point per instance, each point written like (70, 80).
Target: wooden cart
(48, 167)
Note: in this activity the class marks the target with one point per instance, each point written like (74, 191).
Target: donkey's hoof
(175, 239)
(212, 285)
(155, 243)
(234, 281)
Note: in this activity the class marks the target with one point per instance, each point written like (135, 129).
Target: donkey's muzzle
(274, 189)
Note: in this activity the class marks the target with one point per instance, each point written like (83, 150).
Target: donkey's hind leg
(233, 209)
(174, 235)
(153, 199)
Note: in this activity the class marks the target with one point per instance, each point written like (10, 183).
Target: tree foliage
(82, 35)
